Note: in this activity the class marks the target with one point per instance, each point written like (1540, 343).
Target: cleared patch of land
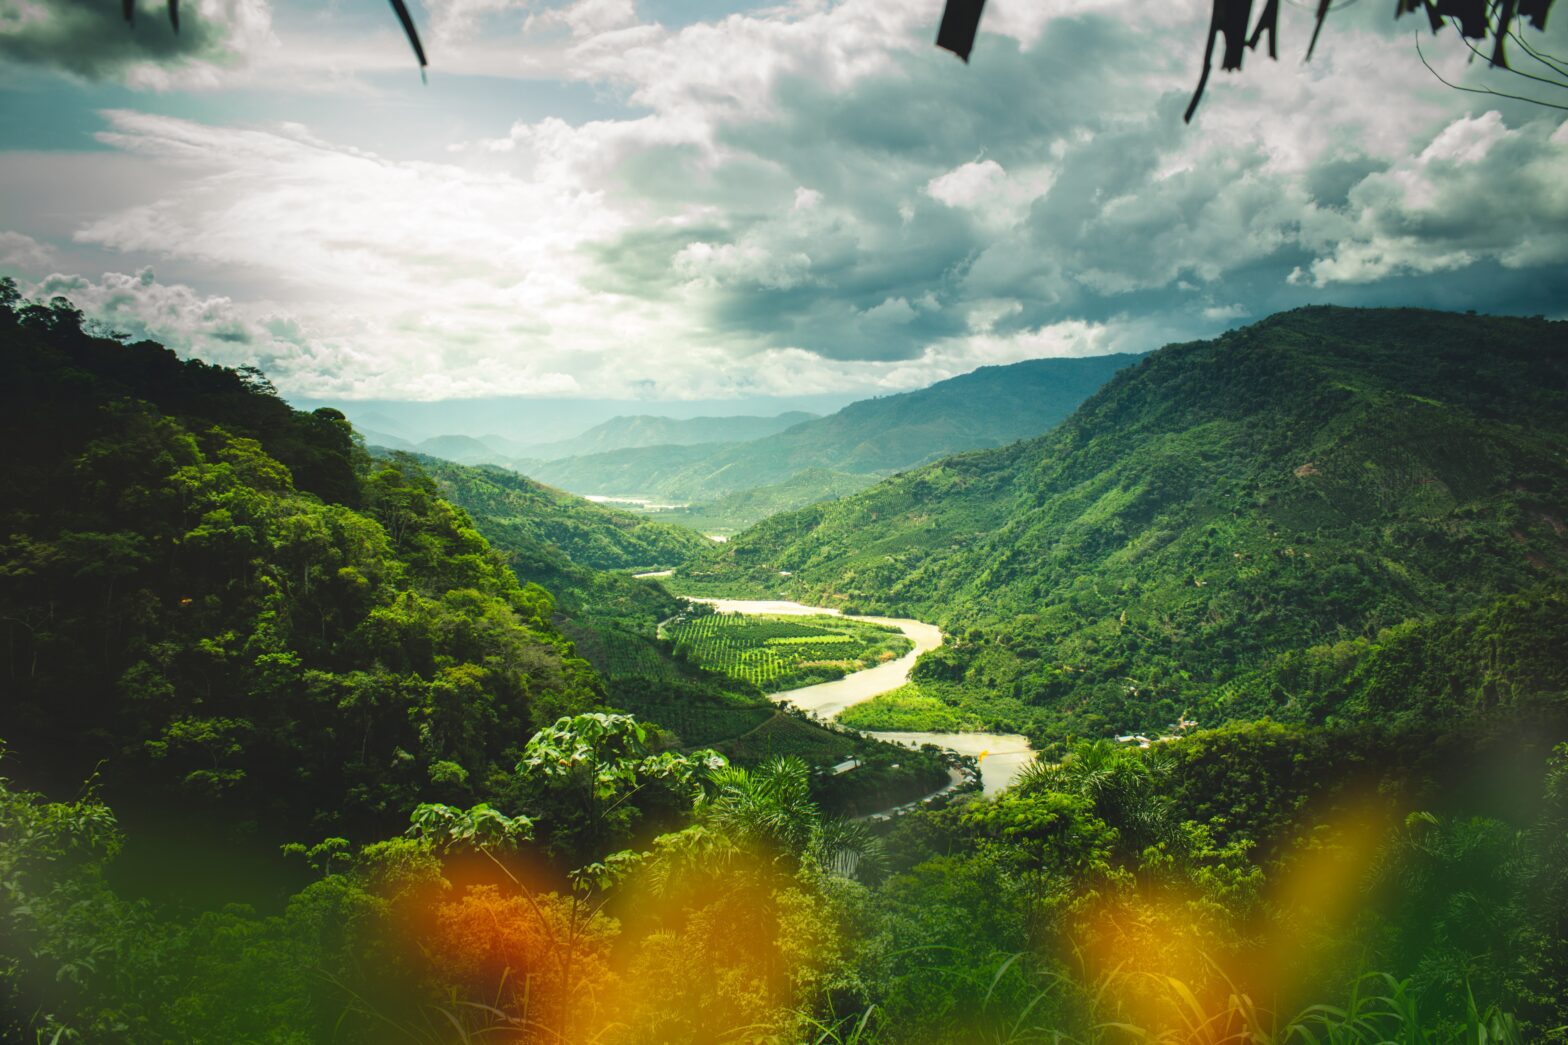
(779, 652)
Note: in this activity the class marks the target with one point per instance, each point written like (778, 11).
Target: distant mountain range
(989, 407)
(738, 470)
(620, 433)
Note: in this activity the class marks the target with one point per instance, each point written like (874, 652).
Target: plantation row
(775, 653)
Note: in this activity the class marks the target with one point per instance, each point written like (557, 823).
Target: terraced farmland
(778, 653)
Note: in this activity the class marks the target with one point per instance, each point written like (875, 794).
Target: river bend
(1002, 755)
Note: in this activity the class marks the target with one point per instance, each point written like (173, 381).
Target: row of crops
(784, 653)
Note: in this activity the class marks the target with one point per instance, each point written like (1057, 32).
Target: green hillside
(637, 470)
(1506, 655)
(991, 406)
(1311, 479)
(586, 533)
(573, 548)
(229, 617)
(611, 617)
(736, 511)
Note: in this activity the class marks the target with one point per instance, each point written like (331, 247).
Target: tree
(1231, 19)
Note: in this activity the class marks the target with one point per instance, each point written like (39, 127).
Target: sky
(730, 203)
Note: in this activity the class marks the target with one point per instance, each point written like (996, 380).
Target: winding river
(1002, 755)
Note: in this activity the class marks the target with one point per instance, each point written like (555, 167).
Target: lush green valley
(528, 513)
(1312, 479)
(302, 744)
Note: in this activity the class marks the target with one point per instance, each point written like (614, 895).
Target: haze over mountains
(987, 407)
(615, 434)
(513, 422)
(737, 470)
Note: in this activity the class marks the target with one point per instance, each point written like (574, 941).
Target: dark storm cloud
(1137, 213)
(91, 39)
(814, 199)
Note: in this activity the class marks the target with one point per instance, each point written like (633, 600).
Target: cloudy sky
(698, 199)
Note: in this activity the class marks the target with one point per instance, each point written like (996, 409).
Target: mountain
(621, 433)
(233, 621)
(989, 407)
(383, 439)
(736, 511)
(1312, 479)
(635, 471)
(585, 533)
(463, 449)
(565, 545)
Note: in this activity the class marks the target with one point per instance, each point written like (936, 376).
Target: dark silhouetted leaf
(1470, 14)
(1317, 25)
(1268, 22)
(413, 34)
(1228, 18)
(1505, 17)
(960, 23)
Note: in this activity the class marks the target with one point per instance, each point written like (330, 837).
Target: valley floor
(1001, 756)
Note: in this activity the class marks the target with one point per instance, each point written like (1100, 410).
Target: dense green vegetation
(1312, 479)
(519, 511)
(239, 613)
(1093, 903)
(613, 621)
(778, 653)
(989, 407)
(293, 755)
(734, 512)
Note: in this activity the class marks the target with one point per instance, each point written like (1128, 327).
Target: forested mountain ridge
(1312, 478)
(568, 546)
(586, 533)
(613, 621)
(988, 407)
(231, 610)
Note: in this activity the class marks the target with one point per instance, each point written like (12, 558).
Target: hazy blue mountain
(460, 448)
(384, 439)
(620, 433)
(528, 420)
(989, 407)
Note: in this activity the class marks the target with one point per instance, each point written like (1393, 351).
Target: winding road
(1002, 755)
